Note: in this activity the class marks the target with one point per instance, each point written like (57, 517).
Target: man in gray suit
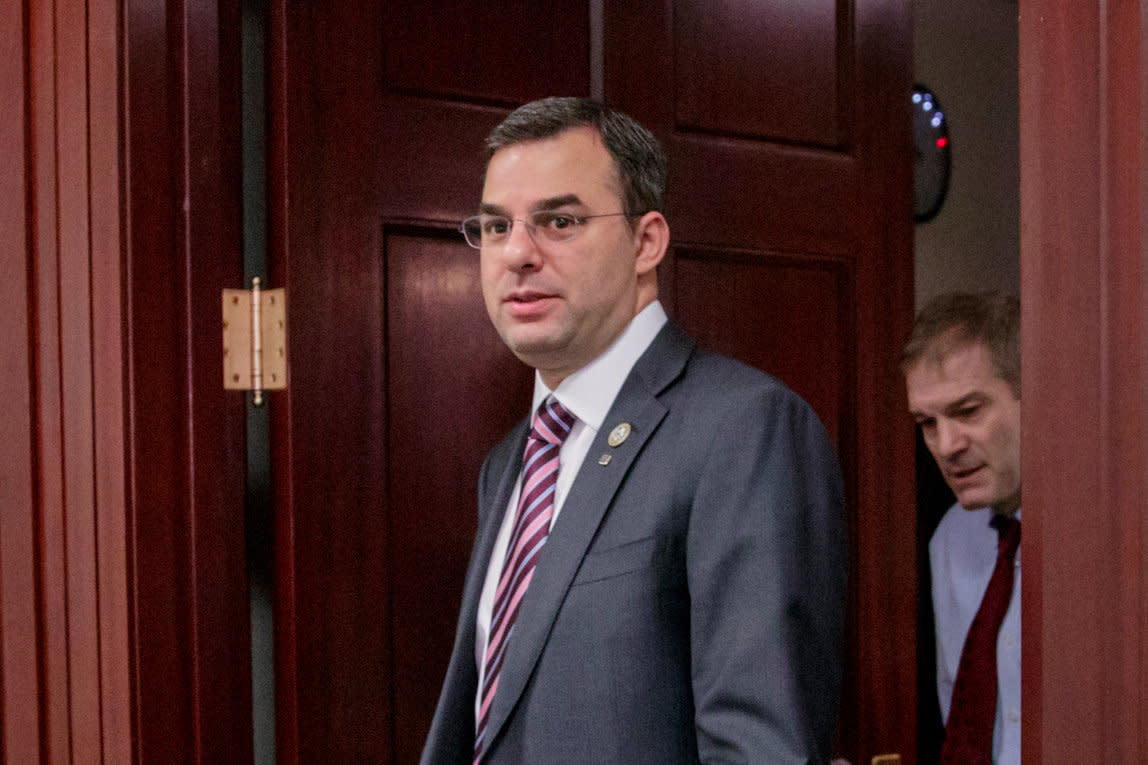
(661, 577)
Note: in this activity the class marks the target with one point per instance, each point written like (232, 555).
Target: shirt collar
(590, 392)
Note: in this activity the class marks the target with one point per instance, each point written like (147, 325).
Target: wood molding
(19, 661)
(1084, 79)
(123, 600)
(186, 451)
(64, 666)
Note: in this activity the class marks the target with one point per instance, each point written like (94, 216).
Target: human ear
(652, 235)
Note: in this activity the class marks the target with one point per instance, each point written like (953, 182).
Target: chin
(527, 348)
(973, 500)
(537, 353)
(534, 338)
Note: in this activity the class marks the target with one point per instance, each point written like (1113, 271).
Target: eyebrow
(550, 203)
(553, 203)
(489, 209)
(969, 398)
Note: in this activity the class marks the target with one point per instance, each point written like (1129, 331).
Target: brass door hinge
(255, 340)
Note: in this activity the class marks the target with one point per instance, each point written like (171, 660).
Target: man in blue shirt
(962, 375)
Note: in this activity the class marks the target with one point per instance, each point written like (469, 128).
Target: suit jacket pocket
(616, 561)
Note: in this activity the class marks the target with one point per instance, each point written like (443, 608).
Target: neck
(1009, 506)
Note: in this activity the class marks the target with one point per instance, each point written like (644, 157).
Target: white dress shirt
(588, 394)
(962, 555)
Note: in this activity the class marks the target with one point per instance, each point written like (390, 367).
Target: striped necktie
(552, 424)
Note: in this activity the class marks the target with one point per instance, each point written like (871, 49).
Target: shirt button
(1010, 640)
(1013, 718)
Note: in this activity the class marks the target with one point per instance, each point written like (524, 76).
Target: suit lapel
(495, 508)
(493, 514)
(582, 513)
(505, 466)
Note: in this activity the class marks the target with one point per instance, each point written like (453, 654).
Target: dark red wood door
(788, 135)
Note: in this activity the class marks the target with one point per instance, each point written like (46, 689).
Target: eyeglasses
(544, 226)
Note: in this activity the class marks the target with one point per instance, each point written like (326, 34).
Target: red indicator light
(942, 143)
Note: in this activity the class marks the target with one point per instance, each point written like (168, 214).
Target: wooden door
(787, 130)
(1084, 397)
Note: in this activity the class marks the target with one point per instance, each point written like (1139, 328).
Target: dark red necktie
(972, 715)
(552, 424)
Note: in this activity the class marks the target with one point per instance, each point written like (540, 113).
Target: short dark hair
(957, 319)
(638, 157)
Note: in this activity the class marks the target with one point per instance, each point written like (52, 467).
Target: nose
(951, 437)
(520, 251)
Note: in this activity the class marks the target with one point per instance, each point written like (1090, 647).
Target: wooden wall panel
(20, 685)
(109, 378)
(65, 604)
(1084, 340)
(332, 647)
(769, 198)
(825, 182)
(426, 140)
(493, 52)
(44, 265)
(363, 140)
(182, 197)
(792, 315)
(74, 296)
(158, 461)
(774, 70)
(883, 718)
(449, 382)
(329, 475)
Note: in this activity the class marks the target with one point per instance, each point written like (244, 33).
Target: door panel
(786, 129)
(790, 316)
(773, 70)
(784, 124)
(449, 380)
(755, 194)
(476, 50)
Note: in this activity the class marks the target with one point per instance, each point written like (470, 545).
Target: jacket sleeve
(767, 568)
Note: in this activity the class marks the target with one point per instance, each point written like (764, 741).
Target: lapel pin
(604, 459)
(619, 434)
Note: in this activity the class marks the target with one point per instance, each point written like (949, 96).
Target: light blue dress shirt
(962, 555)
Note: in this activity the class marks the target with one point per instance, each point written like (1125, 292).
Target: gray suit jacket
(689, 603)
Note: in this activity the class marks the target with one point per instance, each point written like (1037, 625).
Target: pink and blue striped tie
(552, 424)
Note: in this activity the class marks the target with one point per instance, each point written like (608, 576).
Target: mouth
(965, 474)
(525, 296)
(528, 303)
